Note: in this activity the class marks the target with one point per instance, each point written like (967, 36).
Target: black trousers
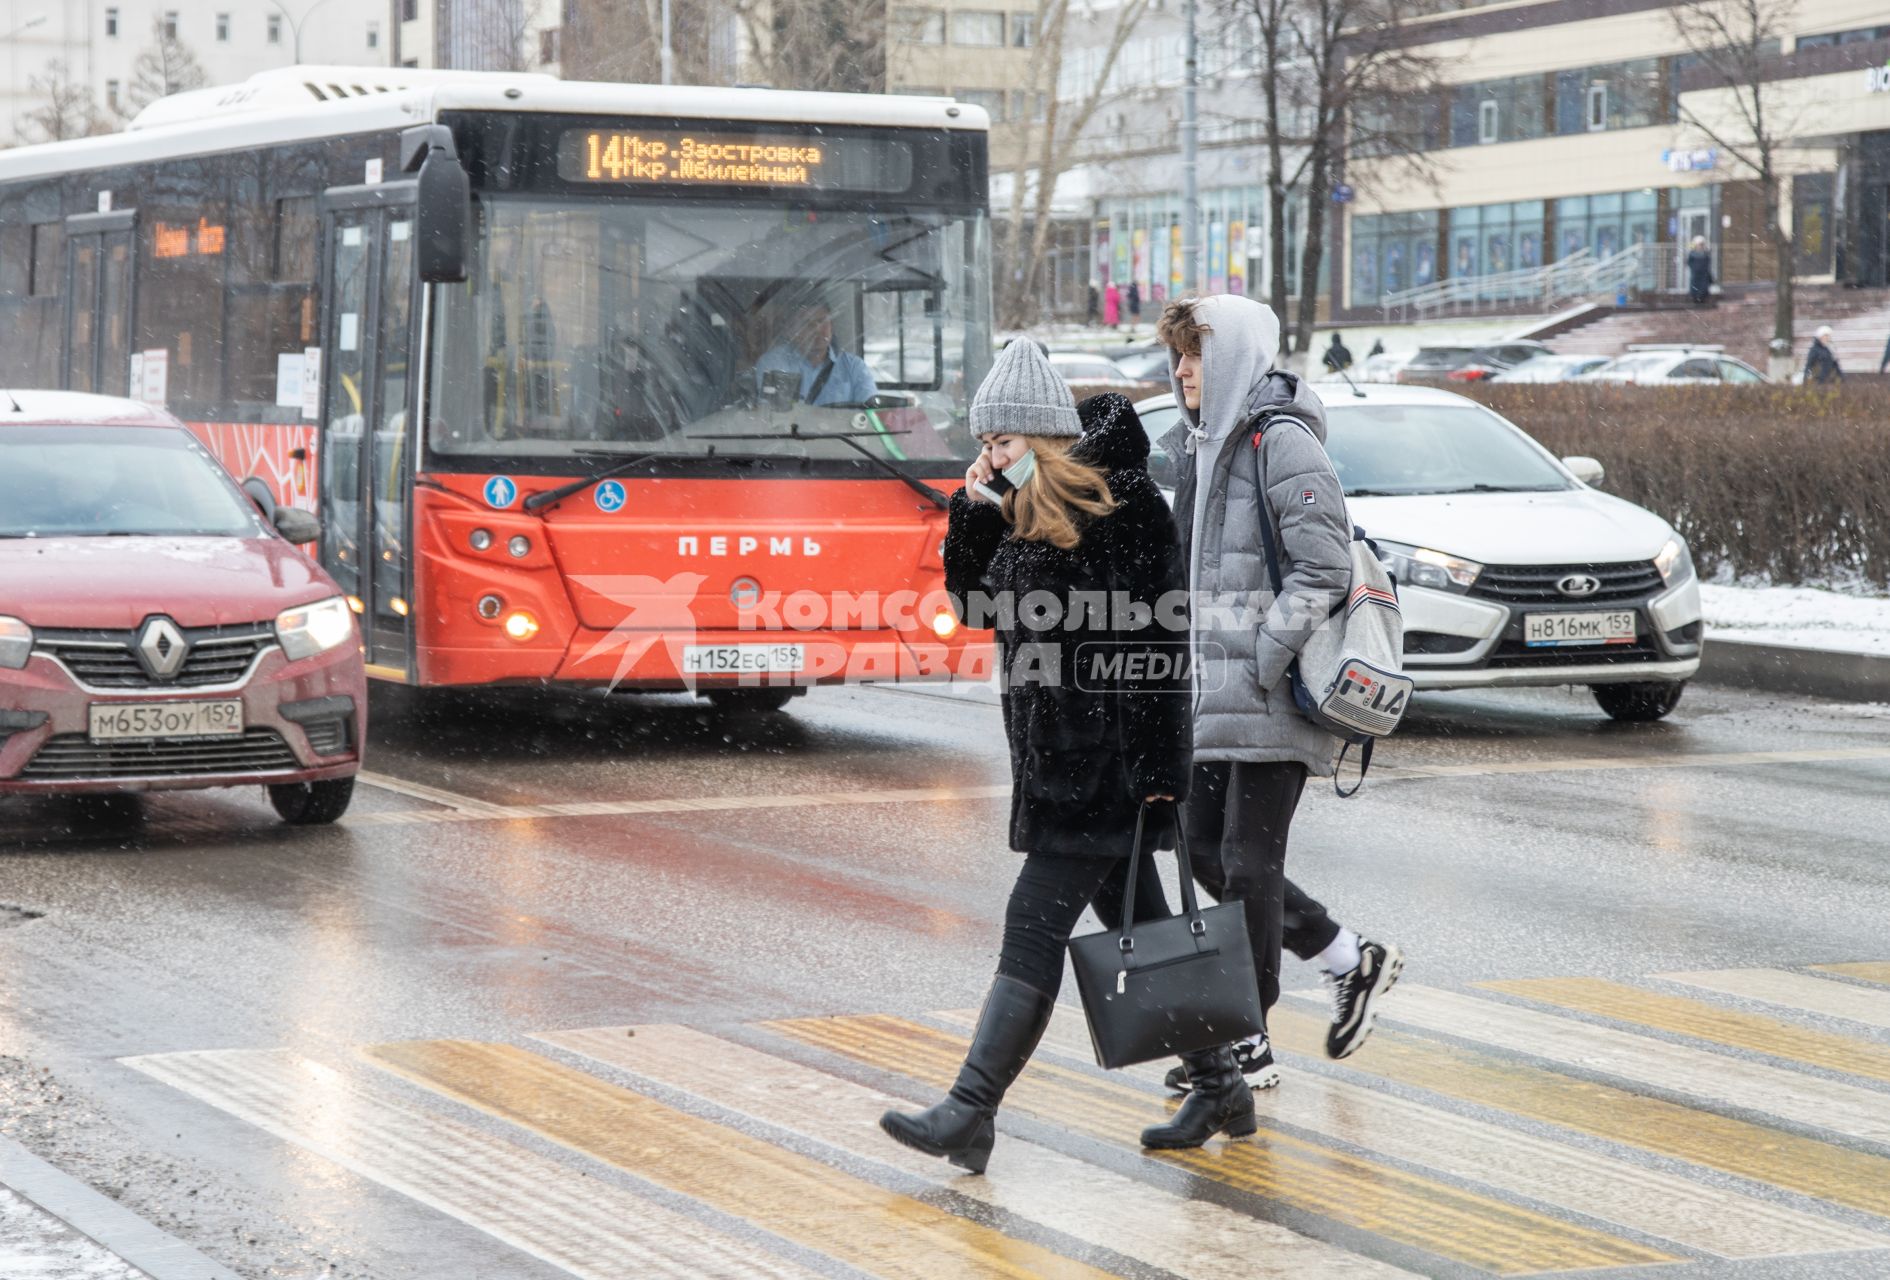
(1238, 817)
(1047, 901)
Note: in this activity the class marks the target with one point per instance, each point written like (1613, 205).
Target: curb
(1777, 668)
(103, 1220)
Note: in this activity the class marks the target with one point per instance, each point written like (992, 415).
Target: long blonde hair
(1065, 488)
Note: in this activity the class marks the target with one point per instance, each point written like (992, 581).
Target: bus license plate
(113, 721)
(1543, 630)
(743, 659)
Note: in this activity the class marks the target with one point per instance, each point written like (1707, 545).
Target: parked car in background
(1145, 363)
(1512, 568)
(1383, 367)
(1677, 366)
(1090, 373)
(1551, 368)
(158, 629)
(1437, 366)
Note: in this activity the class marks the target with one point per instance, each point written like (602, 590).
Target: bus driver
(828, 376)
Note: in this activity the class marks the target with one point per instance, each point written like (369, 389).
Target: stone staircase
(1741, 321)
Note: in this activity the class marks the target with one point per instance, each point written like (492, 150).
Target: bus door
(367, 397)
(98, 308)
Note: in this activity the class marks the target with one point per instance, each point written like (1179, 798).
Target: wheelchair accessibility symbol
(501, 492)
(609, 496)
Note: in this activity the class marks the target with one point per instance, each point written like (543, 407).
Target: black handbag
(1168, 986)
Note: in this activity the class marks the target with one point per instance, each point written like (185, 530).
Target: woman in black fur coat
(1080, 566)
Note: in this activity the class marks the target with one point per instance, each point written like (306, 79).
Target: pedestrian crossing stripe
(1704, 1021)
(1661, 1205)
(1875, 971)
(755, 1154)
(1771, 1157)
(1794, 991)
(791, 1195)
(1419, 1212)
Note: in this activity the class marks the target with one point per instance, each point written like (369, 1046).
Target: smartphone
(995, 488)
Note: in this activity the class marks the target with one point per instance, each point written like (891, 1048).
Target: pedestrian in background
(1081, 515)
(1089, 315)
(1821, 366)
(1112, 306)
(1253, 749)
(1135, 305)
(1338, 355)
(1699, 271)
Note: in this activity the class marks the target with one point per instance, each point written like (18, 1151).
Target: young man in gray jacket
(1251, 447)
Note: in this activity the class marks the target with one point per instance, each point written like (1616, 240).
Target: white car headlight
(16, 643)
(1423, 567)
(1674, 561)
(314, 628)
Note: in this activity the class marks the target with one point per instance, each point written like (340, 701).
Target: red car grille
(73, 756)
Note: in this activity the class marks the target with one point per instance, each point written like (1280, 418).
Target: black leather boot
(962, 1127)
(1220, 1101)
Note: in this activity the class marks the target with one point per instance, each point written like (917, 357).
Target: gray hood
(1236, 352)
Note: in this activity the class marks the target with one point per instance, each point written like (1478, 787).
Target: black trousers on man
(1237, 817)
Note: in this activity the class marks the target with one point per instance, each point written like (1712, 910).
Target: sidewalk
(54, 1227)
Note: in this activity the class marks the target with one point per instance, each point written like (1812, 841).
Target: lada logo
(1579, 585)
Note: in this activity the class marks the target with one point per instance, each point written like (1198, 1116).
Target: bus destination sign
(674, 158)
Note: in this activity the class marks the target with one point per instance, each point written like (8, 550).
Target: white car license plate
(1552, 629)
(743, 659)
(112, 721)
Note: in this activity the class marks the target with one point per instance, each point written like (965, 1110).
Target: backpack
(1349, 678)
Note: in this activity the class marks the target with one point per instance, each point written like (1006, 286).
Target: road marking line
(1695, 760)
(1724, 1223)
(1794, 991)
(781, 1191)
(607, 808)
(538, 1206)
(1439, 1219)
(1875, 971)
(1751, 1151)
(1187, 1237)
(1823, 1104)
(459, 804)
(1703, 1021)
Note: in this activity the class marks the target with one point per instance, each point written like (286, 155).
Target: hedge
(1785, 484)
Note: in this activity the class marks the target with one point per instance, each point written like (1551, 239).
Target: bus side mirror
(443, 202)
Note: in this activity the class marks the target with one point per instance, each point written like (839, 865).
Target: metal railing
(1580, 276)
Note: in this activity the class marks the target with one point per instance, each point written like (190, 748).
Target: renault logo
(1579, 585)
(162, 648)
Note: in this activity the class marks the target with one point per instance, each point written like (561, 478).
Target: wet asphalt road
(849, 858)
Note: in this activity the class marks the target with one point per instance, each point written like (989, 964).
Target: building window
(920, 26)
(1489, 117)
(274, 28)
(1033, 107)
(111, 23)
(992, 100)
(409, 10)
(373, 35)
(981, 28)
(223, 28)
(1023, 30)
(548, 46)
(111, 94)
(1597, 107)
(170, 24)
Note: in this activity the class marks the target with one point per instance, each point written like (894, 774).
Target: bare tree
(1333, 72)
(167, 66)
(830, 45)
(1731, 43)
(623, 40)
(67, 108)
(1047, 148)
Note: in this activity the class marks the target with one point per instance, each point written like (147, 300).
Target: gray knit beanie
(1024, 395)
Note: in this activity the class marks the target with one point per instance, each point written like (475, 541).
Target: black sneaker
(1255, 1061)
(1355, 996)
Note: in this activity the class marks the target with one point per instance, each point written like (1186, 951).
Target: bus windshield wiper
(539, 501)
(852, 440)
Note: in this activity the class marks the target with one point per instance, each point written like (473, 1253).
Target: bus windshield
(690, 328)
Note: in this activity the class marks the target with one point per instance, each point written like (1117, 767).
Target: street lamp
(295, 28)
(28, 25)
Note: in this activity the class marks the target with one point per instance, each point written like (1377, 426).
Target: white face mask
(1020, 471)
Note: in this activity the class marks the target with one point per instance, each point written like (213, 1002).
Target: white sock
(1341, 955)
(1258, 1042)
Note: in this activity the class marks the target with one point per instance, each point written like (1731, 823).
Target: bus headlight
(16, 643)
(314, 628)
(521, 625)
(480, 539)
(1675, 562)
(944, 625)
(520, 546)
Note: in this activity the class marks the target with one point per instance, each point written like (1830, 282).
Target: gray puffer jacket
(1245, 638)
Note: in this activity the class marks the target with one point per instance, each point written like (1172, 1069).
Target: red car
(158, 629)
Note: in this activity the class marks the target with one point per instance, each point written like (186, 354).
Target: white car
(1512, 568)
(1551, 368)
(1092, 370)
(1677, 367)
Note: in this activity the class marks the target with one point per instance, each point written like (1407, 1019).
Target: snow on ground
(1801, 617)
(1398, 338)
(34, 1245)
